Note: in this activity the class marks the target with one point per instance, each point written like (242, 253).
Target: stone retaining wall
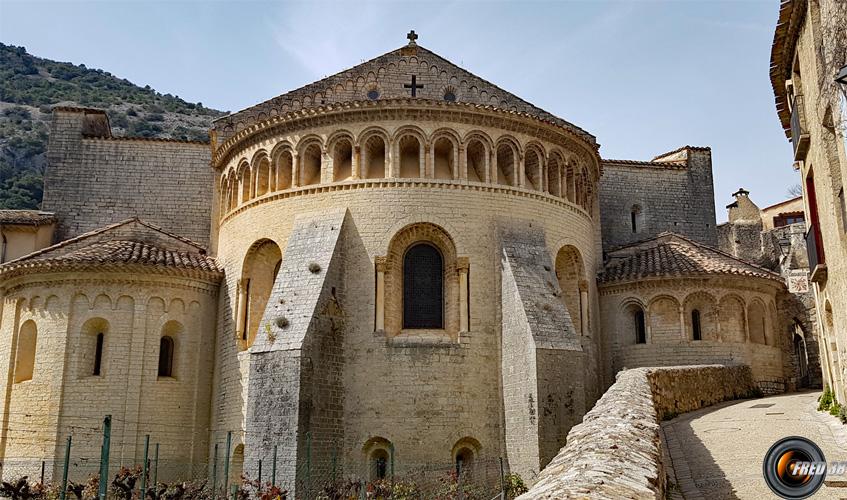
(616, 451)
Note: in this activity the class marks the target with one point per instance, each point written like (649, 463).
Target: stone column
(379, 323)
(521, 170)
(460, 165)
(295, 170)
(354, 162)
(463, 266)
(583, 308)
(493, 165)
(425, 165)
(390, 167)
(326, 168)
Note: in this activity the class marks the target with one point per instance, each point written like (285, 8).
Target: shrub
(842, 414)
(835, 409)
(314, 267)
(282, 322)
(514, 485)
(825, 400)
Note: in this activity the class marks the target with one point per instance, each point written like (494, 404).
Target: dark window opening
(696, 333)
(640, 327)
(373, 95)
(98, 354)
(449, 96)
(423, 287)
(634, 213)
(379, 464)
(166, 357)
(464, 459)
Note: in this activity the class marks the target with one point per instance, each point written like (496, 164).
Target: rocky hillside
(30, 86)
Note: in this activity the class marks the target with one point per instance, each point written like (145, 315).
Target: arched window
(464, 461)
(98, 354)
(379, 464)
(261, 265)
(166, 356)
(696, 332)
(25, 358)
(640, 327)
(423, 287)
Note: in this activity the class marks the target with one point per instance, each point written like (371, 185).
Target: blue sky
(643, 76)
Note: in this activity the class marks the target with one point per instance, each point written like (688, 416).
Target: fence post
(42, 472)
(145, 468)
(391, 449)
(260, 473)
(308, 464)
(215, 474)
(104, 458)
(273, 470)
(226, 461)
(333, 465)
(65, 471)
(502, 484)
(155, 468)
(459, 479)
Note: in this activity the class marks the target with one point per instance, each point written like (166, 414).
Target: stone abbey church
(402, 258)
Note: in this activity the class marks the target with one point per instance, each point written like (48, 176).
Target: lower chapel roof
(671, 255)
(131, 245)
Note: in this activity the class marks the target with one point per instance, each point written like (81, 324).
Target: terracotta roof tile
(672, 255)
(27, 217)
(113, 248)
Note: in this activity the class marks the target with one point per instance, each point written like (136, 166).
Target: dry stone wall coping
(616, 452)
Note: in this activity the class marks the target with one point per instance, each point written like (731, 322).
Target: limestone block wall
(421, 393)
(669, 197)
(66, 397)
(739, 324)
(623, 431)
(95, 181)
(808, 65)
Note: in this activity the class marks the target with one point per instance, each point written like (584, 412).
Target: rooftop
(26, 217)
(671, 255)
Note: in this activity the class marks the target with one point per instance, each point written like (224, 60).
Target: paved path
(717, 452)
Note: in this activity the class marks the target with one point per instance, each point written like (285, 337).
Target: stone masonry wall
(622, 431)
(93, 182)
(674, 198)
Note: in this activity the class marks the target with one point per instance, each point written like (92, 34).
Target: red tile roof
(131, 246)
(26, 217)
(671, 255)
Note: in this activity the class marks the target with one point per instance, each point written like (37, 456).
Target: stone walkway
(717, 452)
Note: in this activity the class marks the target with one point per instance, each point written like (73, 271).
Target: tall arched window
(25, 358)
(640, 327)
(166, 356)
(696, 332)
(423, 287)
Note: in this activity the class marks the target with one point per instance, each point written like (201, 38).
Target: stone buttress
(542, 359)
(295, 398)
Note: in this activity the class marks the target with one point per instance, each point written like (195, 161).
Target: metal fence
(156, 476)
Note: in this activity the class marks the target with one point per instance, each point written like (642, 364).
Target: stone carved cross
(414, 86)
(412, 36)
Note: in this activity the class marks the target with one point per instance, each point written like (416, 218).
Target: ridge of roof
(682, 148)
(784, 202)
(656, 164)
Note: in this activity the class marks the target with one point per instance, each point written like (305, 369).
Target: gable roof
(391, 75)
(131, 245)
(672, 255)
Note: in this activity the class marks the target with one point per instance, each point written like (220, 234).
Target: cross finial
(412, 36)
